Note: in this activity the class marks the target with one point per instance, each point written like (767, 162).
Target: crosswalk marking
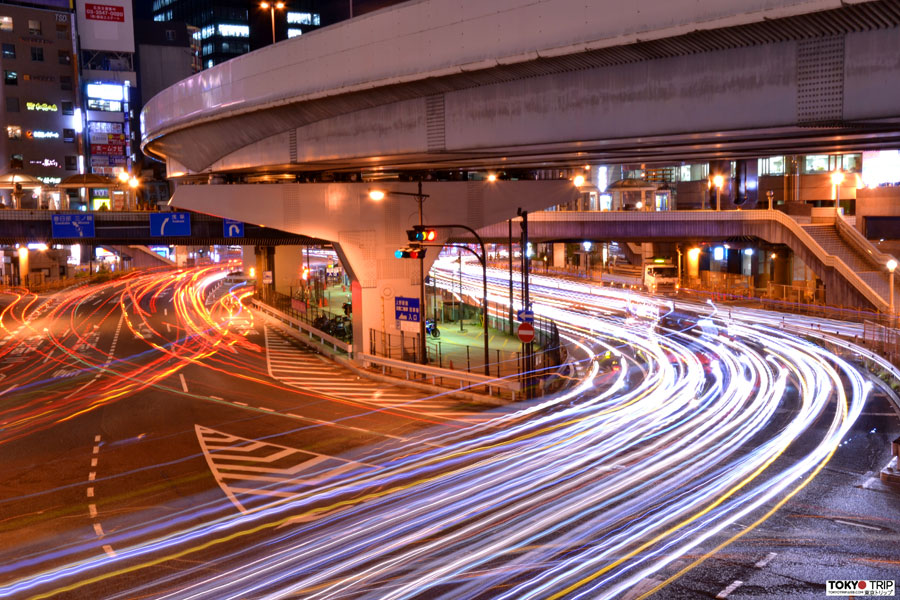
(253, 474)
(306, 371)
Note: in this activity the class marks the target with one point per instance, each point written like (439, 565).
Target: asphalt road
(161, 442)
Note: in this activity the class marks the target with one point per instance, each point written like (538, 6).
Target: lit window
(34, 27)
(9, 50)
(234, 30)
(852, 163)
(208, 31)
(14, 132)
(294, 33)
(104, 105)
(6, 24)
(159, 18)
(815, 163)
(303, 18)
(773, 165)
(10, 78)
(209, 64)
(684, 173)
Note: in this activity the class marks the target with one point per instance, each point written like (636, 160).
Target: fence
(882, 340)
(311, 315)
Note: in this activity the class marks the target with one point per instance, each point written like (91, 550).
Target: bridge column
(265, 261)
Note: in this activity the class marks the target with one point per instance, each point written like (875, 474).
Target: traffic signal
(410, 252)
(421, 234)
(305, 274)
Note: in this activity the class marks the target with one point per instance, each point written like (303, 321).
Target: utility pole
(527, 349)
(423, 356)
(509, 222)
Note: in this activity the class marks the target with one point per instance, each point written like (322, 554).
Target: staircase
(869, 270)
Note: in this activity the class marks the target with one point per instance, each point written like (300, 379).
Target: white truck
(661, 276)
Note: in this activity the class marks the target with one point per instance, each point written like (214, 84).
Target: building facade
(40, 96)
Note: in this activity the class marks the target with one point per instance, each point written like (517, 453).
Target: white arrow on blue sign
(233, 228)
(72, 226)
(526, 316)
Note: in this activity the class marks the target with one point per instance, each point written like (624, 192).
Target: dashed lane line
(183, 382)
(765, 561)
(731, 587)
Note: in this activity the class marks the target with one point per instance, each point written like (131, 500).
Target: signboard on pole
(525, 332)
(171, 223)
(73, 226)
(406, 309)
(526, 316)
(233, 229)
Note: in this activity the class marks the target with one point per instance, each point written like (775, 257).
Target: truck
(661, 276)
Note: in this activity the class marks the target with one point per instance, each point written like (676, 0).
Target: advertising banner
(106, 25)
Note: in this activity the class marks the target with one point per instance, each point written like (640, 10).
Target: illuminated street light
(837, 178)
(891, 265)
(492, 177)
(578, 181)
(133, 182)
(719, 182)
(272, 6)
(376, 195)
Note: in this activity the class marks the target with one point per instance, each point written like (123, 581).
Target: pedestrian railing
(463, 380)
(326, 340)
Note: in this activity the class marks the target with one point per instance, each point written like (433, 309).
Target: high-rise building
(108, 78)
(39, 105)
(229, 28)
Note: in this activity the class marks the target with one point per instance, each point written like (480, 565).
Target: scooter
(432, 329)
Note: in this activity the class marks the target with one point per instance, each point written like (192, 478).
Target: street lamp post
(837, 178)
(891, 265)
(272, 6)
(771, 196)
(718, 181)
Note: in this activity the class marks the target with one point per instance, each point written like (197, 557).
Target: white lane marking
(268, 409)
(168, 328)
(868, 484)
(873, 528)
(183, 382)
(96, 450)
(93, 462)
(49, 354)
(241, 403)
(108, 549)
(97, 438)
(90, 492)
(731, 587)
(98, 530)
(165, 312)
(762, 563)
(92, 509)
(92, 476)
(7, 390)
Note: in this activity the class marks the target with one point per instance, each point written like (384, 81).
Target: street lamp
(272, 6)
(891, 265)
(837, 178)
(718, 181)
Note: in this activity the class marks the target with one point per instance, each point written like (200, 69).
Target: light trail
(578, 495)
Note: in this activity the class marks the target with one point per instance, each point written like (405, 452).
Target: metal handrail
(861, 243)
(473, 379)
(308, 329)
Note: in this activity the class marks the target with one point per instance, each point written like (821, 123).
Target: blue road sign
(233, 229)
(73, 226)
(406, 309)
(170, 223)
(526, 316)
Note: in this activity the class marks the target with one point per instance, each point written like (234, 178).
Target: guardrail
(323, 338)
(864, 246)
(467, 381)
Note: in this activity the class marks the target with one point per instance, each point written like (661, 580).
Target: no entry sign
(525, 332)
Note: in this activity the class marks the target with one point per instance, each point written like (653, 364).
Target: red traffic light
(305, 274)
(410, 253)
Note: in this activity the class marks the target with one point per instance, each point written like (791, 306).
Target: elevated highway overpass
(465, 85)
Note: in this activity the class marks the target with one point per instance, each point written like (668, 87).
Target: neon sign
(41, 135)
(41, 106)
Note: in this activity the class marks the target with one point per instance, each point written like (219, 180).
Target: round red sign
(525, 332)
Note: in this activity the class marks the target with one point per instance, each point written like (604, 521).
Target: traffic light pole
(528, 349)
(423, 352)
(482, 258)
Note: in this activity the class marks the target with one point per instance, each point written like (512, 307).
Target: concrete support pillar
(265, 261)
(289, 261)
(248, 259)
(782, 266)
(559, 255)
(23, 265)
